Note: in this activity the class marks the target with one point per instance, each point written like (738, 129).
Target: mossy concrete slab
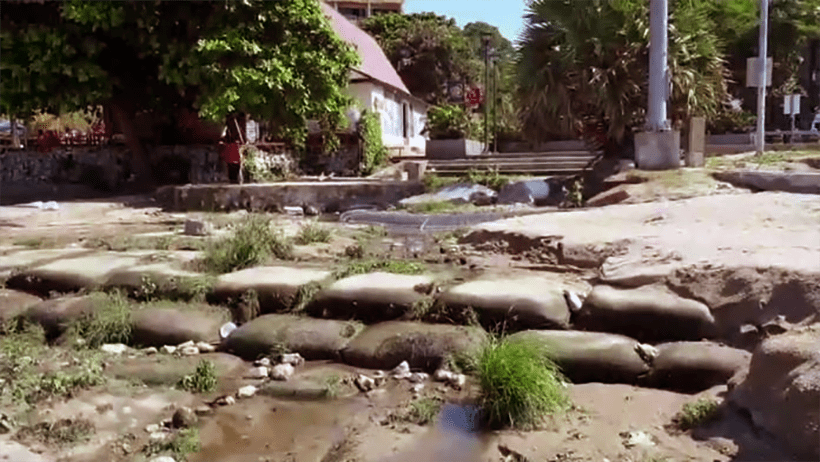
(276, 286)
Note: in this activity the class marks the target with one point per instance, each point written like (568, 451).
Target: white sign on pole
(752, 75)
(791, 104)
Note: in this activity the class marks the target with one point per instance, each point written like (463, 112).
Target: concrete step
(525, 162)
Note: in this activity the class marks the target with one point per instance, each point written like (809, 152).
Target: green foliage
(451, 121)
(108, 322)
(434, 207)
(374, 151)
(694, 414)
(183, 443)
(251, 243)
(333, 386)
(429, 52)
(575, 198)
(202, 380)
(519, 384)
(304, 296)
(255, 168)
(433, 182)
(312, 232)
(584, 64)
(368, 266)
(490, 178)
(220, 58)
(422, 411)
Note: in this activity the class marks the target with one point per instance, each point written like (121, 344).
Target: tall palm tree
(582, 66)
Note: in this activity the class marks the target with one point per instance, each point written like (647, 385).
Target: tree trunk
(142, 167)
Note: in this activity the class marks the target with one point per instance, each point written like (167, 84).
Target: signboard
(474, 96)
(752, 72)
(791, 104)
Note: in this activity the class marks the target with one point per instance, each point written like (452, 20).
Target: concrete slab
(275, 285)
(19, 258)
(72, 274)
(794, 182)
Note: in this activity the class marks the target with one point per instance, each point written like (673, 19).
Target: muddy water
(262, 428)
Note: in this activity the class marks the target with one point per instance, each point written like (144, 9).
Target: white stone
(226, 330)
(153, 428)
(188, 350)
(379, 375)
(418, 377)
(157, 436)
(458, 381)
(162, 459)
(260, 372)
(573, 300)
(364, 383)
(205, 347)
(246, 392)
(443, 375)
(294, 359)
(262, 362)
(417, 388)
(186, 344)
(402, 371)
(281, 372)
(168, 349)
(150, 350)
(114, 348)
(638, 438)
(226, 401)
(647, 352)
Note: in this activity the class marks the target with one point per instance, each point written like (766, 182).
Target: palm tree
(582, 67)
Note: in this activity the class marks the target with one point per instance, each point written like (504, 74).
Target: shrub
(203, 379)
(251, 243)
(374, 152)
(519, 384)
(490, 178)
(312, 232)
(697, 413)
(451, 121)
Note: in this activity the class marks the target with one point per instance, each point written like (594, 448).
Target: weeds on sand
(333, 386)
(694, 414)
(519, 384)
(184, 442)
(202, 380)
(420, 412)
(61, 432)
(312, 232)
(251, 243)
(108, 322)
(369, 266)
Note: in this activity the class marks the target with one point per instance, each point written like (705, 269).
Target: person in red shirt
(232, 156)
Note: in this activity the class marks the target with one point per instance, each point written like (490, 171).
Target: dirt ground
(708, 223)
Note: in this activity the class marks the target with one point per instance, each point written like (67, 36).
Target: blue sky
(507, 15)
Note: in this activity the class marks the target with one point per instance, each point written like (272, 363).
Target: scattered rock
(442, 375)
(195, 227)
(458, 381)
(260, 372)
(162, 459)
(364, 383)
(152, 428)
(114, 348)
(417, 387)
(402, 371)
(203, 410)
(183, 418)
(158, 436)
(149, 350)
(637, 438)
(262, 362)
(204, 347)
(282, 372)
(246, 392)
(188, 350)
(574, 302)
(168, 349)
(294, 359)
(310, 210)
(418, 377)
(5, 424)
(647, 352)
(295, 211)
(461, 193)
(225, 401)
(226, 329)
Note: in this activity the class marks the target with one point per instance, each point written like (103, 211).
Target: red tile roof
(374, 62)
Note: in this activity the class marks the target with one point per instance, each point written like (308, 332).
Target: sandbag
(423, 346)
(56, 315)
(515, 304)
(370, 297)
(165, 370)
(590, 356)
(695, 366)
(647, 314)
(312, 338)
(14, 303)
(169, 326)
(276, 286)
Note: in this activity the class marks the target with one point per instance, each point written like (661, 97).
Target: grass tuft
(184, 442)
(251, 243)
(304, 296)
(61, 432)
(312, 232)
(109, 321)
(420, 412)
(697, 413)
(333, 386)
(202, 380)
(519, 385)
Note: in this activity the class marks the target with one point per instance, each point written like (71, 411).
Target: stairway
(517, 163)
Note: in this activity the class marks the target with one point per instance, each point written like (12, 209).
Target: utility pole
(762, 61)
(495, 104)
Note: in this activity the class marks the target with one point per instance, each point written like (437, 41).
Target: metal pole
(760, 140)
(658, 67)
(495, 105)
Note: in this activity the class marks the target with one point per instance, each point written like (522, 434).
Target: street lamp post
(760, 139)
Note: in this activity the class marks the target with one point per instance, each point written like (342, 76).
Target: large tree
(430, 52)
(278, 61)
(583, 66)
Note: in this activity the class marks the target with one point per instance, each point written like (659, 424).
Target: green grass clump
(697, 413)
(333, 386)
(251, 243)
(369, 266)
(438, 207)
(490, 178)
(203, 379)
(423, 411)
(313, 232)
(108, 322)
(184, 442)
(519, 384)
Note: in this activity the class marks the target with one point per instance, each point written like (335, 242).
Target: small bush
(369, 266)
(110, 321)
(490, 178)
(313, 232)
(185, 442)
(435, 207)
(252, 242)
(697, 413)
(433, 182)
(519, 384)
(203, 380)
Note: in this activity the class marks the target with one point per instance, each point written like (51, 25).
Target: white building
(378, 87)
